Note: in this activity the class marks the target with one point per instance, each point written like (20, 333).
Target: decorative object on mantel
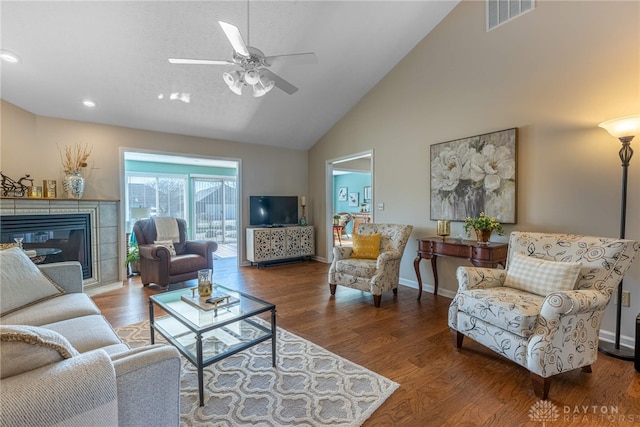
(13, 188)
(35, 192)
(473, 175)
(49, 189)
(483, 226)
(73, 161)
(625, 129)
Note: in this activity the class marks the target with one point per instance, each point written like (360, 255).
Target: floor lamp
(625, 129)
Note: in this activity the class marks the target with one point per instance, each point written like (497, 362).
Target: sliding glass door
(215, 208)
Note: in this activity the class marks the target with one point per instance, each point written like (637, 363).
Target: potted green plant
(483, 226)
(132, 260)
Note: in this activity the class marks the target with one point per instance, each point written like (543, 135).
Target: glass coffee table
(206, 332)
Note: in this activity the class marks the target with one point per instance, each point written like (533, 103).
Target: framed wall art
(354, 199)
(366, 193)
(342, 194)
(473, 175)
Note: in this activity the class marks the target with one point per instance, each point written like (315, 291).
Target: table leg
(416, 267)
(435, 274)
(273, 337)
(200, 369)
(151, 330)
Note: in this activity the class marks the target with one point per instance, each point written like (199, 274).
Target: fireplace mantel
(104, 216)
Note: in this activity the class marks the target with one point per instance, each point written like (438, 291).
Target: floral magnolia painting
(473, 175)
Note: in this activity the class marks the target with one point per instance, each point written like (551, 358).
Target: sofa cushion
(86, 333)
(64, 307)
(366, 246)
(507, 308)
(22, 282)
(25, 348)
(541, 276)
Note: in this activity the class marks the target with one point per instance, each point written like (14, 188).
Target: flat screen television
(273, 210)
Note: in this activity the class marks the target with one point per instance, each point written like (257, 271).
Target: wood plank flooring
(408, 341)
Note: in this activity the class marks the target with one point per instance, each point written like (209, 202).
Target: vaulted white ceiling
(115, 52)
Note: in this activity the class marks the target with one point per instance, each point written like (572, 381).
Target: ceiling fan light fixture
(266, 83)
(231, 78)
(252, 77)
(236, 88)
(234, 81)
(258, 91)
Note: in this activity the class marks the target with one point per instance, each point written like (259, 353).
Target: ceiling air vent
(501, 11)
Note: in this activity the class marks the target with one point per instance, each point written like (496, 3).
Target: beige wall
(554, 73)
(28, 145)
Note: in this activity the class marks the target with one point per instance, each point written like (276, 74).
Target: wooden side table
(480, 255)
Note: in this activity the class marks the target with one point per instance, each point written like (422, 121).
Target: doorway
(350, 190)
(202, 191)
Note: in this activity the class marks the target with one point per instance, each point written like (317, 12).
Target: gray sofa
(62, 363)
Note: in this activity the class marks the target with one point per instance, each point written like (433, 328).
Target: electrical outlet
(626, 298)
(380, 206)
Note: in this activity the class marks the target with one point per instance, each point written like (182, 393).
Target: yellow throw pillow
(366, 246)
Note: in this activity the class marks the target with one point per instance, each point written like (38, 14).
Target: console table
(480, 255)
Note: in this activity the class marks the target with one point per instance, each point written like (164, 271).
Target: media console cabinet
(273, 244)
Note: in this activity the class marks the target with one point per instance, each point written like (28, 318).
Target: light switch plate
(380, 206)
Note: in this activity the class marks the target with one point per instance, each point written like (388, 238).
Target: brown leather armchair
(156, 263)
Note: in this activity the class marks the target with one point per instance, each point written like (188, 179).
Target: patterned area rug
(309, 387)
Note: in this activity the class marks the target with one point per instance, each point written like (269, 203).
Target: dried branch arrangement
(75, 158)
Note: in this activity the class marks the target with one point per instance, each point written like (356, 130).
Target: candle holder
(443, 229)
(303, 218)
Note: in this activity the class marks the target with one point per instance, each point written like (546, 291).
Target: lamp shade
(140, 213)
(624, 126)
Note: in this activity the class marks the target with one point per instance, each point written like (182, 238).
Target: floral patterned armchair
(547, 331)
(371, 275)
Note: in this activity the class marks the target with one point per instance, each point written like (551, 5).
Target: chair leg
(332, 288)
(395, 291)
(587, 369)
(456, 337)
(541, 385)
(376, 300)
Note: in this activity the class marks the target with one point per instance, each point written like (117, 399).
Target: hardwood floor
(408, 341)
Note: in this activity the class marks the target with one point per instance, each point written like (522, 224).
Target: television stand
(266, 245)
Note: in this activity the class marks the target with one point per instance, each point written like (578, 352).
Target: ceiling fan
(254, 65)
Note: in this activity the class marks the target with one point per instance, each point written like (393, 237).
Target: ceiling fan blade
(233, 34)
(294, 58)
(281, 83)
(199, 61)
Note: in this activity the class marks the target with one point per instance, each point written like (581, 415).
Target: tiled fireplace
(103, 224)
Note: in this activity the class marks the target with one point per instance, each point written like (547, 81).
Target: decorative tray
(212, 302)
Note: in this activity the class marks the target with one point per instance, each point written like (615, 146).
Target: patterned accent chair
(371, 275)
(545, 330)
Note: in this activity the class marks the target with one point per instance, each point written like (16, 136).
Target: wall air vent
(501, 11)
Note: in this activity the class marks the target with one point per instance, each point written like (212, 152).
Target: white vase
(73, 185)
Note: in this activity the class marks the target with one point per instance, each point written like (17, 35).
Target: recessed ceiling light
(88, 103)
(10, 57)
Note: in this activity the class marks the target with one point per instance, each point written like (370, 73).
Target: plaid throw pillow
(540, 276)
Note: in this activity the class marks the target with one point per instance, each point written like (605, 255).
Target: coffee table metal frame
(199, 322)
